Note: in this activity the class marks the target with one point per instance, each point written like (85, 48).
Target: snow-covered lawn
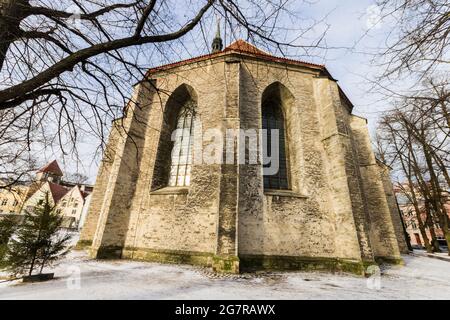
(81, 278)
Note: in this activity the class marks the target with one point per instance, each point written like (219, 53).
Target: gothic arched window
(181, 159)
(173, 161)
(273, 119)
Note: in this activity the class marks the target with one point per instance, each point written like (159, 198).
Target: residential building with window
(411, 220)
(71, 206)
(11, 198)
(68, 198)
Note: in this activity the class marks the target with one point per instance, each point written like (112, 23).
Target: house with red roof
(72, 205)
(68, 198)
(55, 191)
(50, 172)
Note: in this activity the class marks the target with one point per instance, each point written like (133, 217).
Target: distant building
(11, 200)
(412, 223)
(68, 198)
(72, 204)
(50, 172)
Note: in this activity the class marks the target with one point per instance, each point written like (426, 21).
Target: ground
(78, 277)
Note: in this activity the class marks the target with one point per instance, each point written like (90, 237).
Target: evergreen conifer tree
(8, 225)
(38, 242)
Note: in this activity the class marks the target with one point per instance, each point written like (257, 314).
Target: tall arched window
(173, 163)
(181, 159)
(273, 119)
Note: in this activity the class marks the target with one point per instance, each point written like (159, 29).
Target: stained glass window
(181, 161)
(273, 119)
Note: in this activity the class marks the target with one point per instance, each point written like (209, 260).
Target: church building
(328, 206)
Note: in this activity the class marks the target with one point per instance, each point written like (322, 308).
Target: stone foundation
(243, 264)
(83, 245)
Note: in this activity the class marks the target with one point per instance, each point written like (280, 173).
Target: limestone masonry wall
(336, 213)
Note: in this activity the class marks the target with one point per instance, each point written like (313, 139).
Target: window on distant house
(4, 202)
(74, 212)
(15, 203)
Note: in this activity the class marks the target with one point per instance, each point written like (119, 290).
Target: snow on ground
(436, 255)
(81, 278)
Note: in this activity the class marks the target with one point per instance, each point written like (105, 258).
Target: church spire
(217, 44)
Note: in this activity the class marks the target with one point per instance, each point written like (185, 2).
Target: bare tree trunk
(405, 161)
(426, 241)
(44, 261)
(12, 12)
(415, 203)
(429, 223)
(433, 195)
(434, 241)
(407, 237)
(444, 223)
(33, 261)
(446, 113)
(412, 165)
(428, 198)
(442, 167)
(437, 194)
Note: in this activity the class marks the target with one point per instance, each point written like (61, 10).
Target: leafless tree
(17, 159)
(420, 41)
(76, 178)
(66, 67)
(415, 139)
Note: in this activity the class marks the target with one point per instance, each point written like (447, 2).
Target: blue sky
(349, 60)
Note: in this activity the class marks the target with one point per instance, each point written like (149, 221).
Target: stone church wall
(101, 184)
(382, 232)
(179, 223)
(335, 216)
(296, 223)
(393, 207)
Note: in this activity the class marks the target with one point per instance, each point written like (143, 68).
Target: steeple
(217, 44)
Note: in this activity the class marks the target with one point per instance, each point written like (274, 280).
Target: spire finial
(218, 27)
(217, 44)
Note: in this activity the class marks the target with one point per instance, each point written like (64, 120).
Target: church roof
(242, 47)
(52, 167)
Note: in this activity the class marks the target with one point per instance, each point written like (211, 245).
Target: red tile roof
(242, 47)
(84, 194)
(58, 191)
(52, 167)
